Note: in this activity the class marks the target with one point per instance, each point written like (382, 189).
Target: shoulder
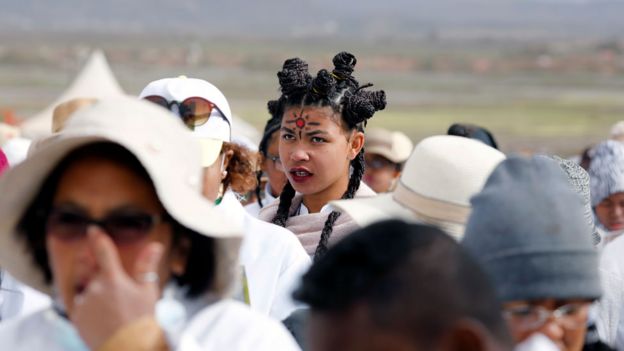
(270, 240)
(253, 209)
(612, 257)
(268, 212)
(365, 191)
(28, 332)
(233, 326)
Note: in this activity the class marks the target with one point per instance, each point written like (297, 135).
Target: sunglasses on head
(194, 111)
(123, 227)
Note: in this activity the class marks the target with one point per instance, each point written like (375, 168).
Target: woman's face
(272, 165)
(610, 212)
(315, 151)
(564, 322)
(101, 189)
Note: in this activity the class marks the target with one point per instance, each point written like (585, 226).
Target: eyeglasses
(122, 227)
(570, 316)
(194, 111)
(277, 163)
(273, 158)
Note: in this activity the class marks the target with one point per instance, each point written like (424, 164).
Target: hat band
(433, 208)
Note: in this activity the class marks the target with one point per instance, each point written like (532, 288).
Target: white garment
(254, 208)
(303, 210)
(273, 258)
(224, 325)
(611, 305)
(537, 342)
(17, 299)
(230, 325)
(43, 330)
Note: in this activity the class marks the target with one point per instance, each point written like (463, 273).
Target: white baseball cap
(393, 145)
(217, 129)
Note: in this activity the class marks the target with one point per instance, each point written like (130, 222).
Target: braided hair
(339, 90)
(272, 126)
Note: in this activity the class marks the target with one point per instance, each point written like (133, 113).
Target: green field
(429, 86)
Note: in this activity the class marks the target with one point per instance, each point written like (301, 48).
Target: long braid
(354, 184)
(258, 191)
(283, 210)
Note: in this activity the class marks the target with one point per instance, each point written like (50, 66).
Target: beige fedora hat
(393, 145)
(163, 145)
(438, 180)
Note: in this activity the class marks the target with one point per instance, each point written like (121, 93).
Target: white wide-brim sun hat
(436, 185)
(218, 128)
(163, 146)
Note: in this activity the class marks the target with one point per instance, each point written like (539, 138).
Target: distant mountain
(288, 18)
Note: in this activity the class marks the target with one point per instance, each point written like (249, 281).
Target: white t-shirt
(273, 259)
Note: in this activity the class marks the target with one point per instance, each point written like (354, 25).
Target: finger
(105, 251)
(147, 262)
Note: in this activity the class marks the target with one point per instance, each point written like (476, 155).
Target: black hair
(272, 125)
(473, 132)
(415, 280)
(201, 261)
(339, 90)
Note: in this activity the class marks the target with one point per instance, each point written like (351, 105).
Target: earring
(223, 174)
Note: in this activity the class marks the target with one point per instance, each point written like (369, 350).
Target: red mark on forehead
(300, 122)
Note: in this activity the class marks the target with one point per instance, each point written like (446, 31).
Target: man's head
(386, 153)
(398, 286)
(529, 232)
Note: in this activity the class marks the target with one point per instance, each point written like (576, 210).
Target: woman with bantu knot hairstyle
(321, 149)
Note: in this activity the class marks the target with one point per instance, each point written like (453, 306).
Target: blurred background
(542, 75)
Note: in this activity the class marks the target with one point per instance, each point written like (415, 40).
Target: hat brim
(385, 152)
(21, 184)
(210, 150)
(366, 211)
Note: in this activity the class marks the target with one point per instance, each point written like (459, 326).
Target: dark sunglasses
(122, 227)
(194, 111)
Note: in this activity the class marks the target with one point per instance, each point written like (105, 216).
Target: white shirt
(273, 258)
(611, 306)
(254, 208)
(230, 325)
(224, 325)
(303, 210)
(17, 299)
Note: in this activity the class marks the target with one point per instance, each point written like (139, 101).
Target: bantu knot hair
(362, 105)
(344, 63)
(294, 78)
(323, 86)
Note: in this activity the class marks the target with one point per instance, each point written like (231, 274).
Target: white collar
(303, 210)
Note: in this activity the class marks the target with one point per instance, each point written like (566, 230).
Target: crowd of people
(140, 223)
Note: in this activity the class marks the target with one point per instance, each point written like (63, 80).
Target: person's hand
(114, 299)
